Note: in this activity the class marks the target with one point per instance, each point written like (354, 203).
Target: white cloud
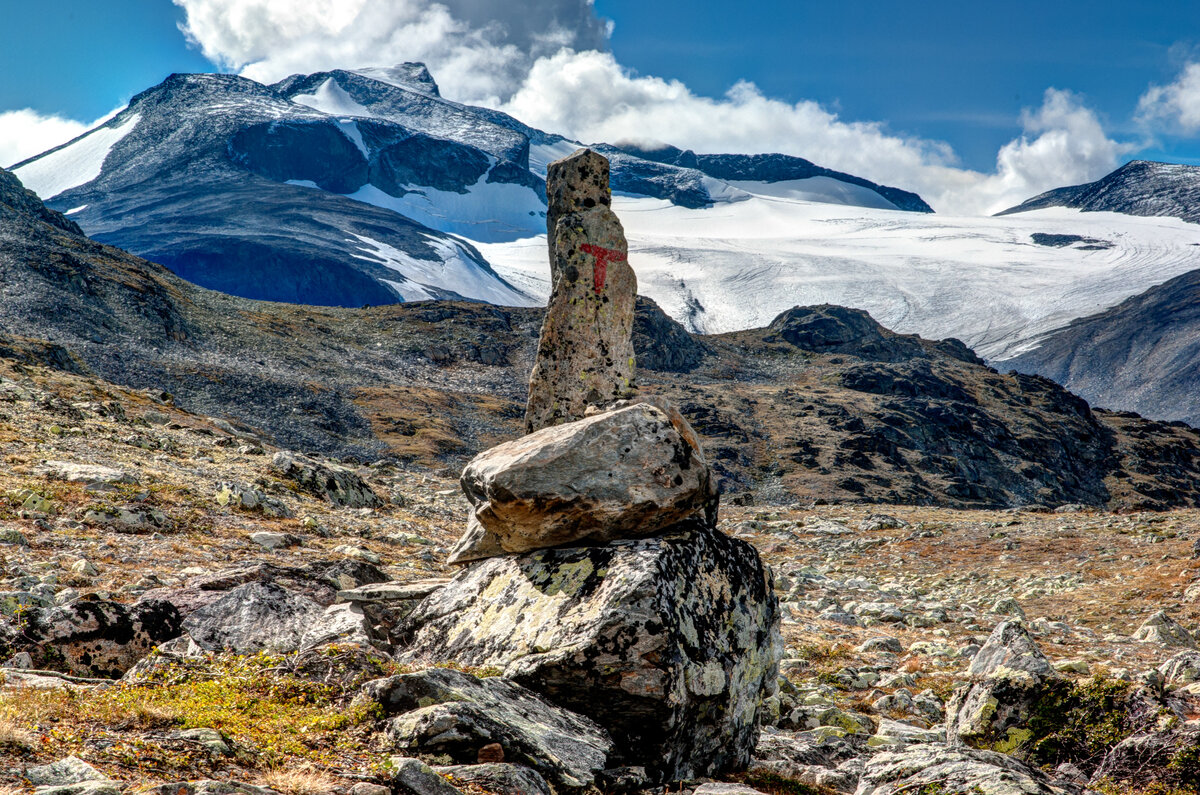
(25, 133)
(478, 50)
(541, 61)
(1176, 104)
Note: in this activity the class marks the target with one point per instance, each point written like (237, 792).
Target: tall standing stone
(585, 356)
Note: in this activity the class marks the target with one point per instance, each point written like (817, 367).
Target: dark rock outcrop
(667, 642)
(1140, 187)
(91, 637)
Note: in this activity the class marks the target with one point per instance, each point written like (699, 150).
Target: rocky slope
(1142, 355)
(884, 615)
(1140, 187)
(823, 404)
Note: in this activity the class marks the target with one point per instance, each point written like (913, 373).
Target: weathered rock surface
(414, 777)
(1009, 672)
(667, 642)
(1161, 628)
(254, 617)
(501, 778)
(334, 483)
(91, 637)
(69, 770)
(585, 356)
(441, 711)
(1168, 757)
(952, 771)
(624, 473)
(74, 472)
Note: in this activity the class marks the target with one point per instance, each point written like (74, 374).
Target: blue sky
(926, 95)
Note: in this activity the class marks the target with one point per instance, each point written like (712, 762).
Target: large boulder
(331, 482)
(627, 472)
(1009, 675)
(92, 637)
(254, 617)
(668, 642)
(1161, 628)
(445, 712)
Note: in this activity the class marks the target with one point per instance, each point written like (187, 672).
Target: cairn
(597, 576)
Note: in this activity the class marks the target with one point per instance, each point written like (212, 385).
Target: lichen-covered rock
(74, 472)
(1182, 669)
(1161, 628)
(951, 771)
(414, 777)
(1169, 758)
(502, 778)
(668, 642)
(340, 623)
(91, 637)
(585, 356)
(334, 483)
(254, 617)
(441, 711)
(1008, 675)
(624, 473)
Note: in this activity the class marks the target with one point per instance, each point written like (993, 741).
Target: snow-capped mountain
(368, 187)
(349, 187)
(1140, 187)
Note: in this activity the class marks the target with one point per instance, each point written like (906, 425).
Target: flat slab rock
(953, 771)
(624, 473)
(440, 711)
(667, 642)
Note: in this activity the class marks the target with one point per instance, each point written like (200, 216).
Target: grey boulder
(1009, 674)
(668, 642)
(92, 637)
(628, 472)
(441, 711)
(331, 482)
(254, 617)
(951, 771)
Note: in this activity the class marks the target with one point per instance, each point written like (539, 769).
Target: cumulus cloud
(479, 50)
(25, 133)
(544, 61)
(1176, 105)
(589, 96)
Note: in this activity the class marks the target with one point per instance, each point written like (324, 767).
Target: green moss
(1077, 722)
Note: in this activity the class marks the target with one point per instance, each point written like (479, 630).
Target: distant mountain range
(345, 188)
(824, 403)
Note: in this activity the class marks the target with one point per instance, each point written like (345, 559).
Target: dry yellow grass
(304, 780)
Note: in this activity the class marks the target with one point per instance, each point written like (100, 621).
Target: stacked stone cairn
(595, 575)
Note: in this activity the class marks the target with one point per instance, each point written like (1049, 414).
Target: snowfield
(737, 265)
(75, 163)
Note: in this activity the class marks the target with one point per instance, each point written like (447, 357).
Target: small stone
(492, 752)
(357, 553)
(69, 770)
(84, 568)
(414, 777)
(1008, 606)
(13, 537)
(269, 540)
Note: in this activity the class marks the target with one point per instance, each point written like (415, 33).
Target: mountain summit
(1140, 187)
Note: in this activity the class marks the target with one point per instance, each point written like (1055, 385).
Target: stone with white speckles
(669, 642)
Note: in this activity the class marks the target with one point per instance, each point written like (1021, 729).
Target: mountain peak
(1140, 187)
(411, 74)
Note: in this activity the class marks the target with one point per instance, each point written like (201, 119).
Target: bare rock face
(669, 642)
(585, 357)
(624, 473)
(335, 483)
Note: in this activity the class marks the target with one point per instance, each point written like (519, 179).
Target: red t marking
(603, 257)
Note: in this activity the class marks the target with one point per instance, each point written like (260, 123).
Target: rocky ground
(884, 610)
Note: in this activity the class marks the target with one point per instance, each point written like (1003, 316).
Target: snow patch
(826, 190)
(488, 212)
(74, 210)
(454, 270)
(332, 99)
(410, 291)
(75, 164)
(351, 131)
(542, 155)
